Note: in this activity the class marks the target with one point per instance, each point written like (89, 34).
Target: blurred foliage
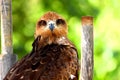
(106, 15)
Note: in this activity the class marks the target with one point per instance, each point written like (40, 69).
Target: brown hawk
(53, 56)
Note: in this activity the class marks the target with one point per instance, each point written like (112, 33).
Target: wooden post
(87, 62)
(7, 58)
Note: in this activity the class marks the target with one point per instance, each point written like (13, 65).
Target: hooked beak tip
(51, 26)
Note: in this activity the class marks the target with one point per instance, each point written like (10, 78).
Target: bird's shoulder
(47, 60)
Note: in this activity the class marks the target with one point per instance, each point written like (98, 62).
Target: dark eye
(60, 21)
(42, 23)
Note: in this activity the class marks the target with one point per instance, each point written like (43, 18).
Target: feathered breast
(52, 62)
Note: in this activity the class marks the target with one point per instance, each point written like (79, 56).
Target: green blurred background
(106, 15)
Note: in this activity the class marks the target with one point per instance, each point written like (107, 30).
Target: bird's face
(51, 27)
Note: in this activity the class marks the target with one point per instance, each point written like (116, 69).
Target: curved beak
(51, 26)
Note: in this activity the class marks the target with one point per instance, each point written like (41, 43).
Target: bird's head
(51, 27)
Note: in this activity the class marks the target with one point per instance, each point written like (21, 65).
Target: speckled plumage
(53, 56)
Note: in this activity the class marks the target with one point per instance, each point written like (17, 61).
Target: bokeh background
(106, 15)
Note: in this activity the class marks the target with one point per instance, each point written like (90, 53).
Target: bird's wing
(52, 62)
(28, 65)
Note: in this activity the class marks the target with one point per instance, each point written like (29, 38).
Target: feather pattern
(52, 62)
(53, 56)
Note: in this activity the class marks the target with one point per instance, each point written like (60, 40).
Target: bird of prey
(53, 56)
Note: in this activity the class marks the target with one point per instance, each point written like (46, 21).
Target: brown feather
(52, 62)
(59, 31)
(53, 56)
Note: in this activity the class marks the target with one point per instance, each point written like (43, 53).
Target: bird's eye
(42, 23)
(60, 21)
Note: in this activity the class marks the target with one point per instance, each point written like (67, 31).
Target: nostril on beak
(51, 26)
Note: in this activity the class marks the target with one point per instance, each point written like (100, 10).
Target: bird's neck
(54, 40)
(41, 42)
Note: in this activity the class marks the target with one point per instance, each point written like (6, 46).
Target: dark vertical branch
(87, 62)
